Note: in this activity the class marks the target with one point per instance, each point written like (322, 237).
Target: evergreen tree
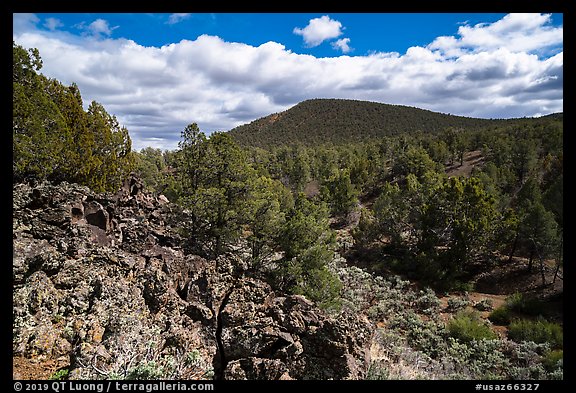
(266, 209)
(553, 199)
(300, 172)
(312, 278)
(78, 163)
(193, 148)
(215, 177)
(524, 157)
(306, 224)
(54, 139)
(340, 194)
(111, 152)
(539, 233)
(414, 160)
(307, 242)
(459, 217)
(38, 128)
(152, 168)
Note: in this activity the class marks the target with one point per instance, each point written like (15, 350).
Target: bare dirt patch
(509, 278)
(472, 159)
(474, 298)
(24, 368)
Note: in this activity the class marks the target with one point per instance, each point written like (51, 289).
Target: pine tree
(54, 139)
(266, 214)
(340, 194)
(215, 177)
(111, 159)
(38, 128)
(539, 233)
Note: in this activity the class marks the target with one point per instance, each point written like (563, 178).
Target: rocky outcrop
(103, 285)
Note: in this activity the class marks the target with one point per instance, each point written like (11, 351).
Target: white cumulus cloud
(319, 30)
(343, 45)
(515, 32)
(98, 28)
(156, 91)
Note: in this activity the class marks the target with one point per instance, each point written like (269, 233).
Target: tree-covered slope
(342, 121)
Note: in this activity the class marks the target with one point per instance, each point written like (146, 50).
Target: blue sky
(159, 72)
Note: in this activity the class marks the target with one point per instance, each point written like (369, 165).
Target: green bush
(59, 375)
(538, 331)
(146, 371)
(520, 303)
(377, 372)
(554, 360)
(458, 285)
(467, 327)
(500, 316)
(514, 301)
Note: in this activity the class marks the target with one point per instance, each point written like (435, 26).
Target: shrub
(482, 359)
(457, 304)
(484, 305)
(59, 375)
(427, 302)
(462, 286)
(425, 336)
(554, 360)
(311, 277)
(323, 287)
(525, 359)
(514, 301)
(500, 316)
(522, 304)
(146, 371)
(467, 327)
(538, 331)
(193, 358)
(557, 374)
(377, 372)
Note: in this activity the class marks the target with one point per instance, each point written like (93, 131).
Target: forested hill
(342, 121)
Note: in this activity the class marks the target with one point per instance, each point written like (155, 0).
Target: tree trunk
(556, 273)
(542, 272)
(531, 260)
(218, 246)
(558, 261)
(514, 245)
(256, 249)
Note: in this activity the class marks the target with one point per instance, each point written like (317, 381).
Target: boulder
(104, 281)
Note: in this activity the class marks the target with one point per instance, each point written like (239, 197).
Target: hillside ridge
(341, 121)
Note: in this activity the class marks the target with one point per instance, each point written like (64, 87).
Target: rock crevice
(103, 287)
(221, 361)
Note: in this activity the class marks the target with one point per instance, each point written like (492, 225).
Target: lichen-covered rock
(257, 369)
(103, 280)
(311, 345)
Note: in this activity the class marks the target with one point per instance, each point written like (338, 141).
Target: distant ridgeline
(340, 121)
